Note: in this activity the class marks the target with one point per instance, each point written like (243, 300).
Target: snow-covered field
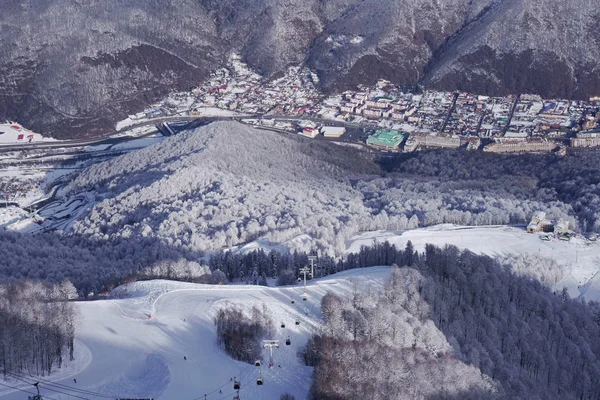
(10, 215)
(579, 258)
(135, 346)
(13, 133)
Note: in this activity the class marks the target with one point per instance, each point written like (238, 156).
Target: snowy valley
(155, 240)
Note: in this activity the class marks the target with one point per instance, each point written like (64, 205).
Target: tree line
(241, 335)
(482, 331)
(37, 327)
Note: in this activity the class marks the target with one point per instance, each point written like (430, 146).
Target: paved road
(510, 115)
(450, 111)
(351, 136)
(68, 143)
(108, 139)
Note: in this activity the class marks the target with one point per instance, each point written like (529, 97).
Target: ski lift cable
(60, 386)
(52, 386)
(242, 373)
(245, 383)
(25, 391)
(228, 396)
(58, 389)
(54, 390)
(209, 393)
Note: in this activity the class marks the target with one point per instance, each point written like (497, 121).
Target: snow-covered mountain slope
(137, 344)
(513, 46)
(228, 184)
(577, 261)
(71, 70)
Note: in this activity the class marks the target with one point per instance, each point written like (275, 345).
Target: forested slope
(37, 327)
(227, 184)
(74, 68)
(530, 342)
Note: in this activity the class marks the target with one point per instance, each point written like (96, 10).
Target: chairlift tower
(312, 260)
(271, 344)
(304, 271)
(37, 396)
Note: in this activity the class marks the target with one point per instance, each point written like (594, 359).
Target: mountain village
(388, 117)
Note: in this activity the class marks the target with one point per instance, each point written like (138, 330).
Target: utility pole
(304, 271)
(312, 260)
(271, 344)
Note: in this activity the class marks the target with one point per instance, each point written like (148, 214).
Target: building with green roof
(387, 139)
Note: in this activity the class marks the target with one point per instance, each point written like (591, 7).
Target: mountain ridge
(75, 69)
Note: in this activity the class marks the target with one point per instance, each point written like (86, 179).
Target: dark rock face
(74, 67)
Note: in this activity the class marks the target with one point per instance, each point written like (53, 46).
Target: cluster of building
(366, 106)
(13, 187)
(238, 89)
(332, 132)
(589, 138)
(540, 224)
(508, 124)
(481, 116)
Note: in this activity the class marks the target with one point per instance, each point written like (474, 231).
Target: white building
(333, 131)
(370, 113)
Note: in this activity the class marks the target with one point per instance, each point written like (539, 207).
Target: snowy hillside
(135, 346)
(576, 266)
(227, 184)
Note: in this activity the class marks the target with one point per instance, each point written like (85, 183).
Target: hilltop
(227, 184)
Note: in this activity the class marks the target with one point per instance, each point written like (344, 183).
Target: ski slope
(579, 258)
(134, 346)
